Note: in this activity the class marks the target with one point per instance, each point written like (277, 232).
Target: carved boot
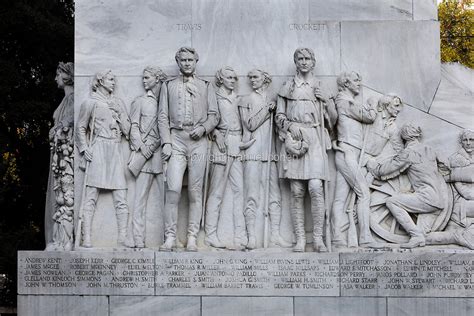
(86, 231)
(169, 244)
(192, 244)
(317, 211)
(417, 238)
(465, 237)
(213, 241)
(297, 216)
(276, 240)
(252, 240)
(122, 221)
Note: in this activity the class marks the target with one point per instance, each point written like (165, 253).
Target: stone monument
(207, 178)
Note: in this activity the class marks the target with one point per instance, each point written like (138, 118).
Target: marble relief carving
(302, 112)
(59, 215)
(187, 113)
(145, 161)
(391, 189)
(102, 123)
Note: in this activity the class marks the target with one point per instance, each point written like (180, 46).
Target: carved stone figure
(262, 190)
(378, 131)
(101, 124)
(145, 160)
(59, 215)
(460, 230)
(227, 165)
(352, 136)
(430, 195)
(301, 112)
(187, 112)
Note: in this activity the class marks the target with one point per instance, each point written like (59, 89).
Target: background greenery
(457, 30)
(34, 36)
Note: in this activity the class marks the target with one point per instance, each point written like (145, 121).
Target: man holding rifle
(103, 118)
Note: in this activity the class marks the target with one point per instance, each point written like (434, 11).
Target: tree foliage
(34, 36)
(457, 30)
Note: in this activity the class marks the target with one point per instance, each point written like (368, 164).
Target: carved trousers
(142, 190)
(216, 193)
(121, 209)
(350, 176)
(316, 192)
(92, 194)
(255, 183)
(402, 204)
(186, 154)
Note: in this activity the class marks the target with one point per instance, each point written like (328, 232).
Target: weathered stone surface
(360, 10)
(86, 273)
(161, 305)
(39, 305)
(407, 274)
(340, 306)
(400, 57)
(275, 306)
(445, 143)
(131, 34)
(430, 306)
(229, 36)
(455, 96)
(425, 10)
(247, 274)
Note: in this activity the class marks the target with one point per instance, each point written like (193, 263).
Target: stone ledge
(149, 273)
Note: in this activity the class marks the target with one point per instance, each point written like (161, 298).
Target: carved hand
(220, 141)
(371, 165)
(166, 152)
(295, 132)
(197, 132)
(320, 95)
(271, 106)
(88, 154)
(146, 151)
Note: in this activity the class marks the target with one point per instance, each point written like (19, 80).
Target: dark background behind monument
(34, 36)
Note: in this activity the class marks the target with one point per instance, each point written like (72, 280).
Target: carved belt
(305, 125)
(230, 131)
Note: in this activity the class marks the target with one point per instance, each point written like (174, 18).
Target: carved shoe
(252, 244)
(465, 237)
(277, 241)
(169, 244)
(192, 244)
(300, 245)
(213, 241)
(86, 241)
(415, 241)
(318, 245)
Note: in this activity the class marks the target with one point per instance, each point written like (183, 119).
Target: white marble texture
(104, 225)
(249, 306)
(340, 306)
(400, 56)
(248, 34)
(441, 134)
(155, 305)
(104, 229)
(39, 305)
(430, 306)
(126, 35)
(425, 9)
(454, 100)
(360, 10)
